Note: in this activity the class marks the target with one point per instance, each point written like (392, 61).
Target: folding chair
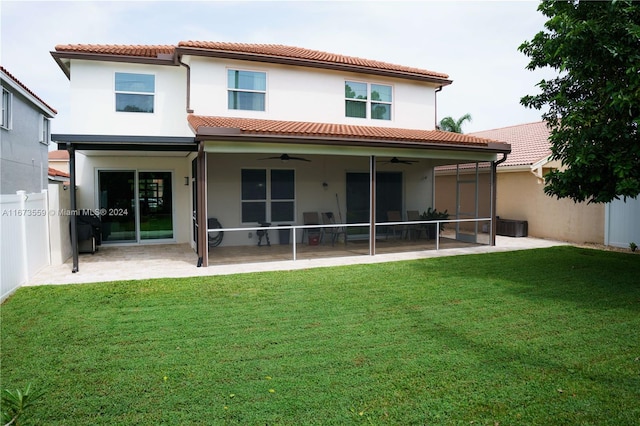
(335, 231)
(394, 216)
(311, 218)
(414, 230)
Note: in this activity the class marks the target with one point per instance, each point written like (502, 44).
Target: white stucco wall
(87, 168)
(93, 109)
(307, 94)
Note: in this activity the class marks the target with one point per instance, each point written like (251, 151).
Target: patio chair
(414, 230)
(334, 231)
(394, 216)
(311, 218)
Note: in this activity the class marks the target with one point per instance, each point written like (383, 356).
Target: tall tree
(594, 102)
(448, 124)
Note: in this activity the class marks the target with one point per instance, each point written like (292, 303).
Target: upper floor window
(45, 130)
(6, 109)
(368, 100)
(135, 92)
(247, 90)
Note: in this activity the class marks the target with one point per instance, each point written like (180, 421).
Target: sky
(474, 42)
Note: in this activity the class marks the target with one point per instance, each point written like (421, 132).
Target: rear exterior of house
(165, 137)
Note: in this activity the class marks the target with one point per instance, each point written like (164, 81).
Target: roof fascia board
(74, 138)
(59, 56)
(216, 133)
(242, 56)
(232, 147)
(18, 88)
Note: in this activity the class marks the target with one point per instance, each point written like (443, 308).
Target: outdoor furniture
(263, 233)
(394, 216)
(311, 218)
(414, 231)
(334, 231)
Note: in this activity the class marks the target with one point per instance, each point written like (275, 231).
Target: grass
(534, 337)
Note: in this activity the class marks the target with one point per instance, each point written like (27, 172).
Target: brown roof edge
(309, 63)
(59, 56)
(205, 133)
(24, 87)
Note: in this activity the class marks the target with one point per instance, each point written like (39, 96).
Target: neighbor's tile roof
(19, 83)
(59, 154)
(249, 126)
(251, 51)
(529, 142)
(57, 173)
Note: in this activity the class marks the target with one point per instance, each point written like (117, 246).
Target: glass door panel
(117, 200)
(156, 205)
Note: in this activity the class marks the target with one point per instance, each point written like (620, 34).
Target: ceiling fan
(396, 160)
(285, 157)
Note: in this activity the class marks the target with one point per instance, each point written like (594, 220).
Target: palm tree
(448, 124)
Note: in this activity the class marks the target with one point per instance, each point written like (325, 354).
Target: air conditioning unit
(512, 228)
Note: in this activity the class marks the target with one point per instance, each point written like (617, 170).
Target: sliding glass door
(137, 206)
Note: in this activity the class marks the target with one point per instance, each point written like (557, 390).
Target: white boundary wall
(24, 239)
(622, 222)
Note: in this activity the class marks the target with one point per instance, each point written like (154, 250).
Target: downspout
(189, 110)
(372, 205)
(494, 183)
(435, 106)
(74, 206)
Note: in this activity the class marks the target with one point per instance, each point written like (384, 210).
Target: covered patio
(136, 262)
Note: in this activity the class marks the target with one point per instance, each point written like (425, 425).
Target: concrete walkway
(178, 261)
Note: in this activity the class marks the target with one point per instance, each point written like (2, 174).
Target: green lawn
(537, 337)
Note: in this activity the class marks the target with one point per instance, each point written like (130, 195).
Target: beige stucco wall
(520, 196)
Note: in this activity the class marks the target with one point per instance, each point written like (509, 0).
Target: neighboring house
(59, 160)
(164, 137)
(24, 137)
(520, 188)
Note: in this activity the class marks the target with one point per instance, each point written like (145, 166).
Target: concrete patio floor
(116, 263)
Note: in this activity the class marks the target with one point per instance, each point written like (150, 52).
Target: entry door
(137, 206)
(467, 206)
(388, 196)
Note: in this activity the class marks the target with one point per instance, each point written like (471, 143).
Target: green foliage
(15, 403)
(448, 124)
(594, 102)
(633, 246)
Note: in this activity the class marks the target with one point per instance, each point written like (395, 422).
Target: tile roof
(278, 50)
(251, 51)
(247, 126)
(529, 142)
(22, 85)
(60, 154)
(57, 173)
(145, 51)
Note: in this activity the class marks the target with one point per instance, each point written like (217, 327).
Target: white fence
(24, 239)
(622, 223)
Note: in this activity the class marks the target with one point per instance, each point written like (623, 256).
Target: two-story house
(25, 131)
(165, 137)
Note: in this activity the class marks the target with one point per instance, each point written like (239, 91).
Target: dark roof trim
(59, 56)
(243, 56)
(228, 134)
(126, 143)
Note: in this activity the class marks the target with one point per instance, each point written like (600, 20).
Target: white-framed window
(268, 195)
(247, 90)
(135, 92)
(6, 109)
(45, 130)
(368, 100)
